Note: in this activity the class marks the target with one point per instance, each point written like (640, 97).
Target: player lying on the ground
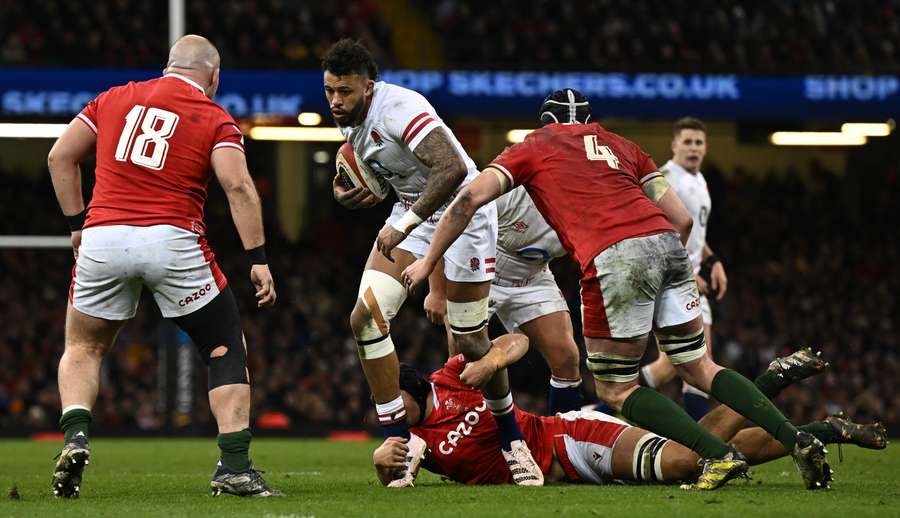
(580, 446)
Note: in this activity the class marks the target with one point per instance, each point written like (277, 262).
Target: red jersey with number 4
(462, 433)
(586, 182)
(154, 141)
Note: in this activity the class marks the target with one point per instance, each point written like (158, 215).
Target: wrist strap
(407, 223)
(711, 260)
(76, 222)
(258, 255)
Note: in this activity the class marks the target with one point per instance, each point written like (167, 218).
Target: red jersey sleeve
(644, 167)
(449, 375)
(227, 134)
(89, 114)
(516, 163)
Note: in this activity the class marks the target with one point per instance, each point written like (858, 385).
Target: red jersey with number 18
(154, 142)
(586, 182)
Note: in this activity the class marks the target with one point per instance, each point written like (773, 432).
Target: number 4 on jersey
(158, 125)
(597, 152)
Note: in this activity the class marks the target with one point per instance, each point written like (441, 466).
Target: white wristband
(407, 223)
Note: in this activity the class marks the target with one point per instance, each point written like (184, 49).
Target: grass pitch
(169, 477)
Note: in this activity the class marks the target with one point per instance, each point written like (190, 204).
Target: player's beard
(354, 117)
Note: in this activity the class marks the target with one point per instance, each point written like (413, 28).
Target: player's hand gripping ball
(354, 176)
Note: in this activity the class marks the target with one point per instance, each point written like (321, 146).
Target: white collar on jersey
(672, 165)
(187, 80)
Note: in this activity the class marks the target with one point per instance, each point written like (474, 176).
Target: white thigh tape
(613, 367)
(646, 461)
(382, 295)
(682, 349)
(467, 317)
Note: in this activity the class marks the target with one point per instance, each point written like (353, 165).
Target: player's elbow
(241, 187)
(464, 206)
(56, 157)
(684, 224)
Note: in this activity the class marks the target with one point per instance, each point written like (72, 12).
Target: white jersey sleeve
(397, 122)
(409, 118)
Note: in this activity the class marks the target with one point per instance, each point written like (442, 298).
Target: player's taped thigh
(614, 368)
(646, 460)
(467, 317)
(216, 331)
(682, 349)
(382, 296)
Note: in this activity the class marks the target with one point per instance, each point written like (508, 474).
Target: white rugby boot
(524, 469)
(406, 476)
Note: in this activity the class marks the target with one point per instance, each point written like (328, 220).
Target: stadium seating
(748, 36)
(249, 34)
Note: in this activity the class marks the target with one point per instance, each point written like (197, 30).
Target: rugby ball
(355, 173)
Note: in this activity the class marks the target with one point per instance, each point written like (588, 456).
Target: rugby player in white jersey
(684, 176)
(397, 134)
(525, 297)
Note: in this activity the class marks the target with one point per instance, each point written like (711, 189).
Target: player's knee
(565, 361)
(92, 348)
(699, 372)
(215, 330)
(359, 317)
(227, 365)
(472, 345)
(613, 394)
(379, 300)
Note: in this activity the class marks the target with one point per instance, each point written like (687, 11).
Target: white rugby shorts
(706, 310)
(116, 261)
(517, 305)
(636, 283)
(584, 441)
(471, 258)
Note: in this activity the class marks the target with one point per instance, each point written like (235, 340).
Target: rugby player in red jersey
(614, 213)
(579, 446)
(157, 143)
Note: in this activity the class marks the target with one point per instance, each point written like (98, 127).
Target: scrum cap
(566, 106)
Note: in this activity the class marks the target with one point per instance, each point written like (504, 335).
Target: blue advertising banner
(63, 92)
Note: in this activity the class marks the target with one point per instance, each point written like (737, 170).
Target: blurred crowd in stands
(753, 36)
(134, 33)
(675, 35)
(811, 255)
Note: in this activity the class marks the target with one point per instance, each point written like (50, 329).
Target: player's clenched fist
(355, 198)
(388, 239)
(389, 457)
(435, 308)
(415, 273)
(76, 242)
(391, 453)
(719, 280)
(477, 374)
(264, 284)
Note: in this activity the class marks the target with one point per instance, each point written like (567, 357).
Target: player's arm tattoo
(448, 170)
(459, 213)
